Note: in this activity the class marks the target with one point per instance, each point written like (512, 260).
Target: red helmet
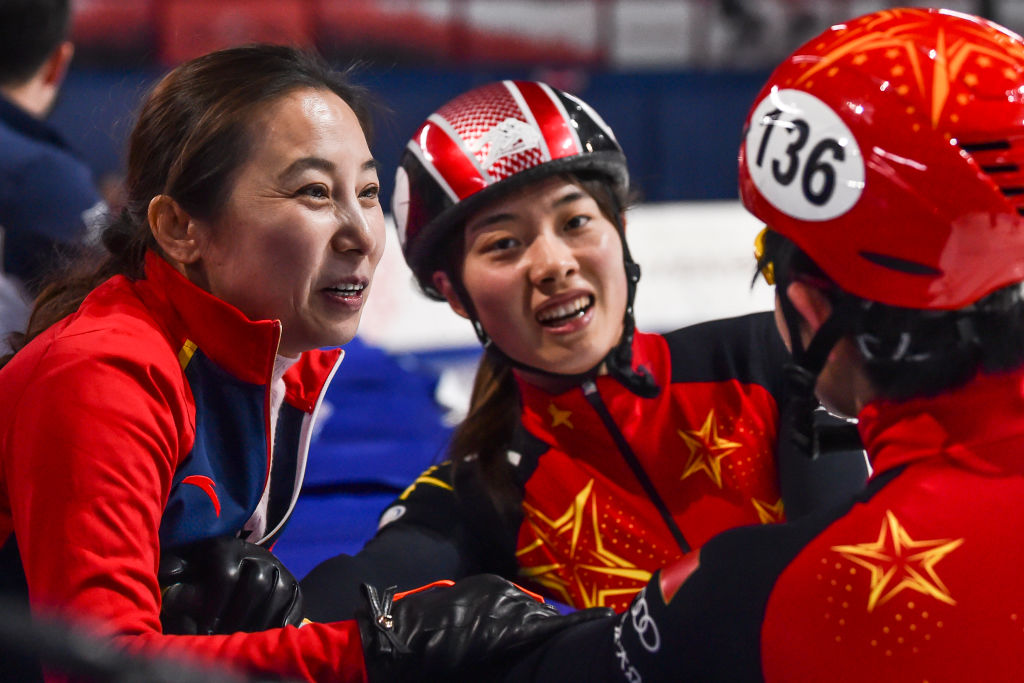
(891, 150)
(483, 143)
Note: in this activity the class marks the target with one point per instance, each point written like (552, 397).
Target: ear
(56, 65)
(443, 284)
(174, 230)
(812, 305)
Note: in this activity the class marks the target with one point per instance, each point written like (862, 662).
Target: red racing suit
(141, 421)
(917, 580)
(613, 486)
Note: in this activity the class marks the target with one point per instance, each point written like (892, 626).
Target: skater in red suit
(885, 157)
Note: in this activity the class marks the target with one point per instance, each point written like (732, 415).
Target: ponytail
(487, 432)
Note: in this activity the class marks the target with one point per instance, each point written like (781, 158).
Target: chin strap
(796, 428)
(618, 361)
(620, 358)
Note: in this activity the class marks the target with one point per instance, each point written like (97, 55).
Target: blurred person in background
(48, 200)
(164, 394)
(592, 454)
(746, 24)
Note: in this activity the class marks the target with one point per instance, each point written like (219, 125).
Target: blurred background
(674, 79)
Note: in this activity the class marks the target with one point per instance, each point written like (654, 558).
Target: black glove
(225, 585)
(467, 631)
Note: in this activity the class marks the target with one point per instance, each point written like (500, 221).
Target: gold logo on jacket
(897, 562)
(706, 449)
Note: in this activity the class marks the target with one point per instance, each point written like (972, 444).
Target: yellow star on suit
(559, 416)
(896, 561)
(588, 566)
(706, 449)
(768, 513)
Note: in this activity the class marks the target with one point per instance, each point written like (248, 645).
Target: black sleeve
(423, 537)
(406, 556)
(836, 471)
(439, 528)
(746, 348)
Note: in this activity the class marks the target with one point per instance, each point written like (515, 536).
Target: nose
(551, 259)
(354, 232)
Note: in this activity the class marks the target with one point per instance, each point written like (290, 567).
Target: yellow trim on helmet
(768, 269)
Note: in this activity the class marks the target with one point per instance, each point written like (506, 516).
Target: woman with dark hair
(166, 395)
(592, 454)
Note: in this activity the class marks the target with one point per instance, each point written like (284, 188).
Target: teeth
(348, 288)
(571, 308)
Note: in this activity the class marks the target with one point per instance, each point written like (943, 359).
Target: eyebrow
(321, 164)
(567, 198)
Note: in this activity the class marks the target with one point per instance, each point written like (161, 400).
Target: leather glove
(225, 585)
(469, 630)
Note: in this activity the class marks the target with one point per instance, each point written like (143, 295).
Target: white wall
(696, 257)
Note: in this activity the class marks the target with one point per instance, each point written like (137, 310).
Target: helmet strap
(620, 358)
(796, 428)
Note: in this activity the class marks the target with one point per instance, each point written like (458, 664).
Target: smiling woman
(155, 418)
(303, 214)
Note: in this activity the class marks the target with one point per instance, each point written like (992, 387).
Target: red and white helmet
(891, 150)
(485, 142)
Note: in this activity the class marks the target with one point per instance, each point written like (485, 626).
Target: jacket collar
(540, 412)
(644, 347)
(243, 347)
(978, 426)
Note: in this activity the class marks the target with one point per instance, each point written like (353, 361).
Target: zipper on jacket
(594, 399)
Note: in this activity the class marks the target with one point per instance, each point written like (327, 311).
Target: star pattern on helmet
(768, 513)
(897, 562)
(559, 417)
(706, 449)
(951, 61)
(575, 535)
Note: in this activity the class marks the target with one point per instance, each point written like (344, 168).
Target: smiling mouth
(346, 290)
(559, 315)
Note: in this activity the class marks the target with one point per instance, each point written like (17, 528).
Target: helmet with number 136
(908, 118)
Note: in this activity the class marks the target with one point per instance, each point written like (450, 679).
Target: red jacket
(591, 534)
(920, 581)
(104, 456)
(917, 580)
